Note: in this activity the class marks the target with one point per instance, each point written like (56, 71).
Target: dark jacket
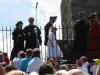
(18, 41)
(47, 27)
(32, 36)
(81, 31)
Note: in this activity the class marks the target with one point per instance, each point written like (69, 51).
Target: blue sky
(12, 11)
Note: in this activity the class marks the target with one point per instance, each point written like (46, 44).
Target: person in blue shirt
(25, 61)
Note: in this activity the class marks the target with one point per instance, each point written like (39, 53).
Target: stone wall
(89, 6)
(70, 10)
(66, 14)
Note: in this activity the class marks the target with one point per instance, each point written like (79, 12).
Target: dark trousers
(14, 52)
(31, 44)
(79, 48)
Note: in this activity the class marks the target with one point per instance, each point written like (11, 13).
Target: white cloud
(48, 8)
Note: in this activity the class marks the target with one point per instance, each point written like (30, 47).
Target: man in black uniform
(18, 38)
(81, 37)
(32, 35)
(48, 26)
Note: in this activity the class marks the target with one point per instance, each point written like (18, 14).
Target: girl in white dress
(53, 48)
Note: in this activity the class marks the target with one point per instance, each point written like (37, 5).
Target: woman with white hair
(53, 47)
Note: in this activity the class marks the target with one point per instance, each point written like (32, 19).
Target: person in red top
(94, 40)
(6, 59)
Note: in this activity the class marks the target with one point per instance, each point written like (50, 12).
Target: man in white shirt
(93, 68)
(35, 63)
(85, 64)
(85, 67)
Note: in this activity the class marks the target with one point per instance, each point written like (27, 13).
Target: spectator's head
(36, 52)
(46, 69)
(97, 61)
(34, 73)
(29, 53)
(9, 68)
(79, 62)
(83, 59)
(21, 54)
(31, 20)
(6, 59)
(16, 72)
(92, 62)
(1, 57)
(19, 24)
(61, 72)
(76, 72)
(74, 67)
(5, 54)
(51, 60)
(64, 67)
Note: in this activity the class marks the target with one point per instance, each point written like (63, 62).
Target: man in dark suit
(81, 37)
(32, 35)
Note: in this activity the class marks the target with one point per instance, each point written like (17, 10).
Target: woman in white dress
(53, 48)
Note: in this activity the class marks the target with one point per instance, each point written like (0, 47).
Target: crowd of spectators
(30, 63)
